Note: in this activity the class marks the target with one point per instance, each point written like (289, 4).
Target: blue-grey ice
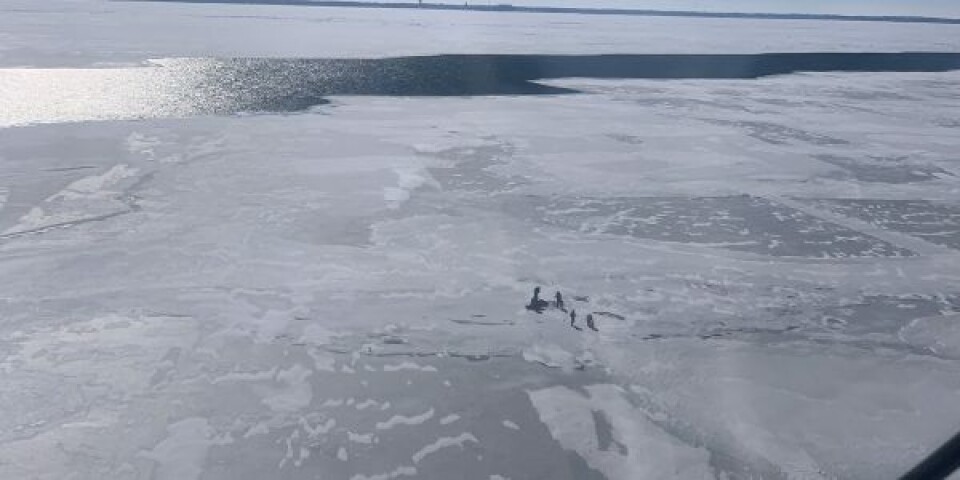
(338, 292)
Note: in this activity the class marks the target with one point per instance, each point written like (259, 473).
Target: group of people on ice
(538, 305)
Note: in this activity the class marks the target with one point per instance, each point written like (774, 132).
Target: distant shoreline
(582, 11)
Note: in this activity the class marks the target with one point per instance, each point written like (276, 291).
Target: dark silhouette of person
(573, 319)
(560, 301)
(536, 303)
(590, 323)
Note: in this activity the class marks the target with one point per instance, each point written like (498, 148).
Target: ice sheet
(771, 265)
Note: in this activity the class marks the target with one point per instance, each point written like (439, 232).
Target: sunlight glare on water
(163, 88)
(67, 95)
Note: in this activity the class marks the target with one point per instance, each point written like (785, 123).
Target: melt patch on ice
(180, 456)
(86, 198)
(402, 420)
(398, 472)
(444, 442)
(408, 180)
(322, 361)
(76, 350)
(409, 366)
(317, 335)
(95, 185)
(142, 144)
(646, 451)
(449, 419)
(549, 355)
(940, 333)
(321, 428)
(258, 429)
(293, 394)
(364, 438)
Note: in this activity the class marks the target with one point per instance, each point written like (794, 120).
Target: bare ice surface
(773, 266)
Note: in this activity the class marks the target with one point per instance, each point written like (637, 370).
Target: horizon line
(506, 7)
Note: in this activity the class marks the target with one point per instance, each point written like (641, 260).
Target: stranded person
(590, 323)
(560, 302)
(536, 303)
(573, 319)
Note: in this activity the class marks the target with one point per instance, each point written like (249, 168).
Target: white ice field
(335, 294)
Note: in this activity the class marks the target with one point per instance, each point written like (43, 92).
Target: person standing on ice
(590, 323)
(573, 319)
(537, 304)
(559, 298)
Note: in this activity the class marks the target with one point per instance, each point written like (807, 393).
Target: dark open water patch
(184, 87)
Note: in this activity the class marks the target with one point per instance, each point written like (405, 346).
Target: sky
(937, 8)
